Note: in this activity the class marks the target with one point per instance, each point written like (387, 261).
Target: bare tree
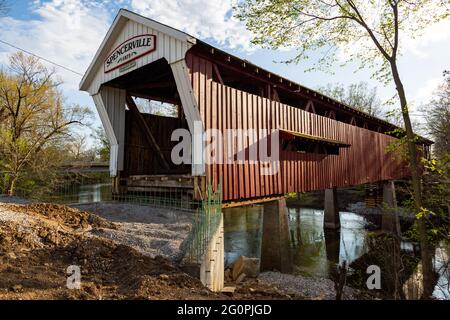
(356, 95)
(437, 113)
(34, 117)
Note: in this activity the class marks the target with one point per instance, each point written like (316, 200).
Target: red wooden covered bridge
(148, 79)
(152, 84)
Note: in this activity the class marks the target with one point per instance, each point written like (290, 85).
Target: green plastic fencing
(205, 222)
(79, 189)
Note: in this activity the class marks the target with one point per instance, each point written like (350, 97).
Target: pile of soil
(69, 217)
(39, 242)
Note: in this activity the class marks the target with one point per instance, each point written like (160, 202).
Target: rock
(227, 275)
(228, 290)
(17, 288)
(240, 278)
(164, 277)
(12, 255)
(249, 266)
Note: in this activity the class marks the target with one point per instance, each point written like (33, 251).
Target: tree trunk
(427, 264)
(11, 187)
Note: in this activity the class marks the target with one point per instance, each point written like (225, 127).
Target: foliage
(35, 123)
(356, 95)
(436, 191)
(339, 29)
(103, 146)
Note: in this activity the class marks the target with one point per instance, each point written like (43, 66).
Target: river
(315, 252)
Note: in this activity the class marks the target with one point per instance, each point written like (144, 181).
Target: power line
(39, 57)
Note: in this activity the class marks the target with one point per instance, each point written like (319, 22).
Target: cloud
(67, 32)
(425, 93)
(207, 20)
(435, 33)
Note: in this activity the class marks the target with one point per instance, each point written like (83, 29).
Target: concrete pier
(389, 217)
(331, 218)
(212, 266)
(275, 247)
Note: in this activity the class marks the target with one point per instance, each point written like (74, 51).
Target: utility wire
(39, 57)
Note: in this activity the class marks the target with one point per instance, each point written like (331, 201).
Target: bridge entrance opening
(153, 113)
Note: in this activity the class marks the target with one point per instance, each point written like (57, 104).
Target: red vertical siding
(222, 108)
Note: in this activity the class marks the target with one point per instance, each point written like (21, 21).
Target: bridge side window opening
(302, 143)
(157, 108)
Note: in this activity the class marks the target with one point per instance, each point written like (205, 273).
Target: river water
(315, 252)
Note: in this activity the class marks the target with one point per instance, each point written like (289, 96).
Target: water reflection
(243, 230)
(316, 252)
(86, 193)
(94, 192)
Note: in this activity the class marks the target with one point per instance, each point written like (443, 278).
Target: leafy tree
(103, 146)
(356, 95)
(35, 123)
(369, 32)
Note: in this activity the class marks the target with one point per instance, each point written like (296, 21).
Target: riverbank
(38, 242)
(310, 287)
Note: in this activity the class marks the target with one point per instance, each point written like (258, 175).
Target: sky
(69, 32)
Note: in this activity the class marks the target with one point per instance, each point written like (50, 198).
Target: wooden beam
(149, 97)
(330, 114)
(217, 73)
(231, 204)
(310, 107)
(146, 130)
(275, 95)
(151, 85)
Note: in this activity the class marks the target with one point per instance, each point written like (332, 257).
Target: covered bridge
(321, 143)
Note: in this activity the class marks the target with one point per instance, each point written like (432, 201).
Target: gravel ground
(310, 287)
(151, 231)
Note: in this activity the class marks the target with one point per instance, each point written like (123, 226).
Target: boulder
(249, 266)
(240, 278)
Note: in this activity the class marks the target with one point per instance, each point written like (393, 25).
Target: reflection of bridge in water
(317, 252)
(85, 167)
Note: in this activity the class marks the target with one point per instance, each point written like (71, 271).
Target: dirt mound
(27, 227)
(39, 242)
(69, 217)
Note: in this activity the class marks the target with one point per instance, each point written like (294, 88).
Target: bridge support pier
(332, 245)
(389, 218)
(275, 247)
(331, 218)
